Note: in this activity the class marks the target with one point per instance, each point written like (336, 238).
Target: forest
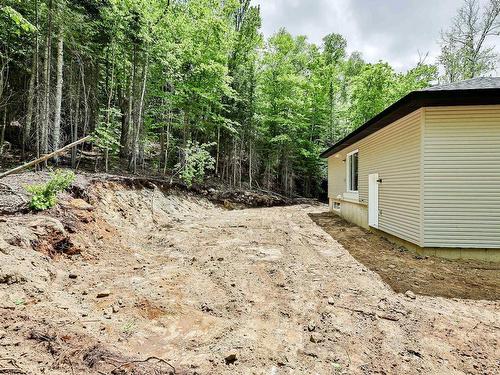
(188, 87)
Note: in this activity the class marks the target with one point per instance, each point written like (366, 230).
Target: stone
(103, 293)
(311, 326)
(410, 294)
(8, 305)
(316, 338)
(107, 313)
(115, 309)
(80, 204)
(392, 266)
(282, 360)
(230, 358)
(331, 301)
(2, 334)
(72, 276)
(206, 308)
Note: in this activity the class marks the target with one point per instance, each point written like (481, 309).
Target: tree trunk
(218, 152)
(138, 123)
(31, 96)
(128, 124)
(106, 156)
(56, 136)
(250, 163)
(168, 143)
(37, 82)
(46, 82)
(74, 130)
(2, 133)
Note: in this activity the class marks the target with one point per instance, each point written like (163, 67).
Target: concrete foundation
(353, 212)
(357, 213)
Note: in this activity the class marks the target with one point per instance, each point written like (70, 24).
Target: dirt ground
(138, 281)
(403, 270)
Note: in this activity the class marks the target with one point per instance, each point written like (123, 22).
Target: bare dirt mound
(166, 283)
(406, 271)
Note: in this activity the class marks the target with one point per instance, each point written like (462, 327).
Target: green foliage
(196, 161)
(107, 134)
(466, 47)
(44, 196)
(195, 72)
(22, 23)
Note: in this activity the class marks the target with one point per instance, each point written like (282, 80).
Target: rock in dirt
(72, 275)
(410, 294)
(103, 293)
(11, 278)
(331, 301)
(206, 308)
(316, 338)
(230, 358)
(80, 204)
(311, 326)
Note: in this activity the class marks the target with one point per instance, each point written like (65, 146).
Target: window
(352, 171)
(336, 206)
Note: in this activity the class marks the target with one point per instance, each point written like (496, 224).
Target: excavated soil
(403, 270)
(154, 283)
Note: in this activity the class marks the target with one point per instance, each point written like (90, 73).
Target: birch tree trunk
(138, 123)
(128, 124)
(31, 97)
(56, 135)
(46, 82)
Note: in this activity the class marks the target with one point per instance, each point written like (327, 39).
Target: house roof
(468, 84)
(476, 91)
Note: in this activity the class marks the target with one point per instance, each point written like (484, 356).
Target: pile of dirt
(230, 198)
(405, 271)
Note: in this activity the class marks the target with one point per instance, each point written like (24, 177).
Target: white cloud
(388, 30)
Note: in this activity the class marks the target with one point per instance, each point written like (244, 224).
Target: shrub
(196, 161)
(44, 196)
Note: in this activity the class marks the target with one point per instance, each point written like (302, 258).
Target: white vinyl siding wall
(393, 152)
(462, 177)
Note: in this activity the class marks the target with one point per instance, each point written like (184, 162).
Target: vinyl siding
(336, 177)
(393, 152)
(462, 177)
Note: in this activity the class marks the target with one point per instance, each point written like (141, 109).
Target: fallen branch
(161, 360)
(272, 193)
(12, 371)
(45, 157)
(130, 362)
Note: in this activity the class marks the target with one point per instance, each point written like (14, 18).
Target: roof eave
(411, 102)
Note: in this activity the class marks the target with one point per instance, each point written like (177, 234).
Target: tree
(464, 50)
(159, 76)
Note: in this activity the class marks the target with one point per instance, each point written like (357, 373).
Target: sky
(389, 30)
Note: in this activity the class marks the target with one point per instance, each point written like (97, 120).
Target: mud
(404, 270)
(174, 278)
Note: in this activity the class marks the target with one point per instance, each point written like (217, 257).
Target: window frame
(348, 158)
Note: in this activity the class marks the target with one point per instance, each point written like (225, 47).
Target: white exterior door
(373, 200)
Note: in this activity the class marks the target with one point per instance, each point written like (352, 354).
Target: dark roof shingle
(468, 84)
